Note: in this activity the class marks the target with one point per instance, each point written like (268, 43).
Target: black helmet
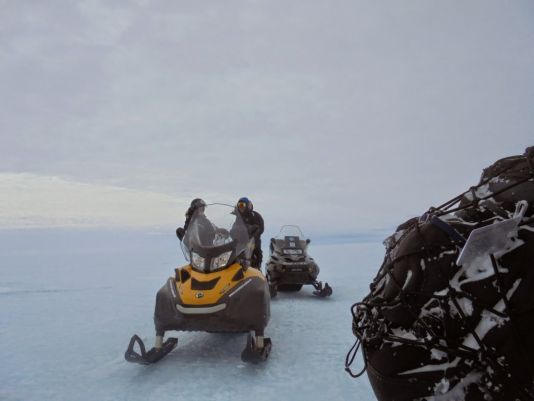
(244, 205)
(196, 203)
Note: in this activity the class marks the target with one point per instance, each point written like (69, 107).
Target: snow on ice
(72, 299)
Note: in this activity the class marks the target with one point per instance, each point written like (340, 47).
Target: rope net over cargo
(450, 313)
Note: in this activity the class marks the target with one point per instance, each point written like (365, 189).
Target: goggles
(242, 205)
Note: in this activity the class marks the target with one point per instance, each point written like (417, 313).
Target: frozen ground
(70, 301)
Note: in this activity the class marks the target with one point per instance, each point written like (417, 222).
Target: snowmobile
(215, 292)
(450, 314)
(289, 267)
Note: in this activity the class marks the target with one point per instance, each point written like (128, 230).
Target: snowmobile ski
(321, 291)
(254, 354)
(150, 357)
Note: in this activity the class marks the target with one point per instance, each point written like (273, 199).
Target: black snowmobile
(289, 267)
(215, 292)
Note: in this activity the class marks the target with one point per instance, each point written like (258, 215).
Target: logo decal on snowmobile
(199, 294)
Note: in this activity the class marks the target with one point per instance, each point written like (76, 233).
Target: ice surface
(70, 301)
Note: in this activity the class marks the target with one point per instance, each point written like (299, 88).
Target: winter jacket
(254, 223)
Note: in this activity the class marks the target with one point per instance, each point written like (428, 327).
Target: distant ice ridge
(30, 200)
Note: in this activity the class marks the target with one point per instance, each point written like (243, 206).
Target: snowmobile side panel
(250, 310)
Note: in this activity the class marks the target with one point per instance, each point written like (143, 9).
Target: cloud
(45, 201)
(343, 116)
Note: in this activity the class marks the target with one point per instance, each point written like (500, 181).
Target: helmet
(196, 203)
(244, 205)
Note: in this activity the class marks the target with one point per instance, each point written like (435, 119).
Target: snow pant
(257, 255)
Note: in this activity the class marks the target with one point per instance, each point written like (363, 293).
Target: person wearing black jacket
(255, 227)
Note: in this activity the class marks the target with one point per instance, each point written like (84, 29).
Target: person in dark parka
(255, 226)
(195, 204)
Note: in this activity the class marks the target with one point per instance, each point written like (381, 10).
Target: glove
(180, 232)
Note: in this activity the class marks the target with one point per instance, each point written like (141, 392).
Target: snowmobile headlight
(197, 261)
(221, 260)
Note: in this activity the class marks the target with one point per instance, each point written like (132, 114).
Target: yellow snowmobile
(215, 292)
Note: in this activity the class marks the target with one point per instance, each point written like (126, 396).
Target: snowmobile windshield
(215, 237)
(290, 241)
(290, 231)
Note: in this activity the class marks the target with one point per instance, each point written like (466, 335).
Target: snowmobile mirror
(308, 241)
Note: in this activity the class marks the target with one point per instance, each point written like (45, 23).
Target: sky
(342, 116)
